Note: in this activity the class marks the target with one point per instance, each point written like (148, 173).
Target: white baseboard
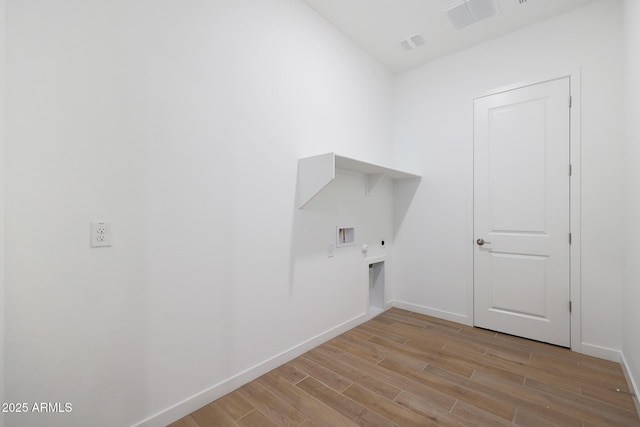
(631, 381)
(601, 352)
(203, 398)
(441, 314)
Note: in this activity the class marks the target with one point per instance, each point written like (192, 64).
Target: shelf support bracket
(373, 179)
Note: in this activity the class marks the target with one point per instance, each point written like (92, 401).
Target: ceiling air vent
(413, 42)
(406, 45)
(417, 40)
(469, 11)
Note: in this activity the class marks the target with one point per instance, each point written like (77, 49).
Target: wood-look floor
(407, 369)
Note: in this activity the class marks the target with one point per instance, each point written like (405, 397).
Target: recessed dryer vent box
(346, 236)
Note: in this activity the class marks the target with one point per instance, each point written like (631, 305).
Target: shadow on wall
(310, 229)
(404, 192)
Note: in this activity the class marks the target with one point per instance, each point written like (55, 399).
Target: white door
(521, 212)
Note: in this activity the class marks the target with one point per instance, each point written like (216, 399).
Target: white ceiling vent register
(413, 42)
(469, 11)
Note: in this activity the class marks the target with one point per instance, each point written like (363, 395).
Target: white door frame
(574, 203)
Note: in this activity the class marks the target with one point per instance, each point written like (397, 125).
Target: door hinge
(570, 238)
(570, 170)
(570, 307)
(570, 101)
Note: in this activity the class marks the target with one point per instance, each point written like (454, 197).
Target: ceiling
(379, 26)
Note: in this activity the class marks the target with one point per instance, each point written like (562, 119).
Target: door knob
(481, 242)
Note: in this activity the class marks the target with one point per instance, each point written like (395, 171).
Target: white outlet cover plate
(100, 234)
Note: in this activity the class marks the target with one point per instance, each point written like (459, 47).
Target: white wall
(181, 123)
(631, 330)
(434, 134)
(2, 172)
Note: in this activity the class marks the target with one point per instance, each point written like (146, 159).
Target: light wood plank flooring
(407, 369)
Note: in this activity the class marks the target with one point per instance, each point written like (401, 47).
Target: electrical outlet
(100, 234)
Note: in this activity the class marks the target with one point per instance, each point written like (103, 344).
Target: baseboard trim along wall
(614, 356)
(601, 352)
(446, 315)
(205, 397)
(633, 385)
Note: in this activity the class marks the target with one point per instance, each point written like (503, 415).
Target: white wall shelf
(316, 172)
